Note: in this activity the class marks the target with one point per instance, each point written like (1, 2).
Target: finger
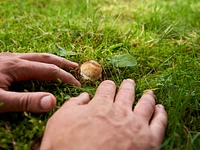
(159, 123)
(105, 93)
(145, 106)
(125, 95)
(5, 54)
(50, 59)
(26, 70)
(31, 102)
(82, 99)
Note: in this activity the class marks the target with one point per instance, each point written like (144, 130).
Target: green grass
(163, 35)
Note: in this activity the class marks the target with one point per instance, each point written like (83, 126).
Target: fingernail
(46, 102)
(160, 106)
(78, 84)
(131, 81)
(150, 92)
(84, 94)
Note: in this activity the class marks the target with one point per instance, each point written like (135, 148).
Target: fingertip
(150, 92)
(161, 109)
(73, 81)
(48, 102)
(109, 81)
(126, 94)
(147, 103)
(82, 99)
(85, 94)
(131, 81)
(160, 106)
(160, 116)
(78, 84)
(75, 65)
(158, 123)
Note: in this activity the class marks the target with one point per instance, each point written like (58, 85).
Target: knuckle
(23, 103)
(162, 124)
(54, 69)
(21, 66)
(150, 141)
(46, 56)
(122, 112)
(148, 99)
(149, 107)
(148, 104)
(137, 127)
(5, 54)
(126, 90)
(9, 64)
(105, 97)
(163, 121)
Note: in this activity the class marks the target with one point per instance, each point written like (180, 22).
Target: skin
(17, 67)
(107, 122)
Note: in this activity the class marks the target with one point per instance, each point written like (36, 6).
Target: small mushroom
(91, 70)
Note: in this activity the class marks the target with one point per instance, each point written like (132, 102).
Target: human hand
(107, 122)
(39, 66)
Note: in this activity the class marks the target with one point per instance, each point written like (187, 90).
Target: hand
(107, 122)
(18, 67)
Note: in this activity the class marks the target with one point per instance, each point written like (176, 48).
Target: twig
(9, 132)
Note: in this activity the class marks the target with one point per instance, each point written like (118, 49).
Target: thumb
(82, 99)
(31, 102)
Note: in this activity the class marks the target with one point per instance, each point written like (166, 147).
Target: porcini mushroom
(91, 70)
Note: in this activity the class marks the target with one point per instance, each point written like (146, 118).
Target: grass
(163, 36)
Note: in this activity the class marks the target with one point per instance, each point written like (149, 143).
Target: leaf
(67, 97)
(64, 52)
(123, 60)
(115, 46)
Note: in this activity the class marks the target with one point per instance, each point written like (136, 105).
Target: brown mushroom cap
(91, 70)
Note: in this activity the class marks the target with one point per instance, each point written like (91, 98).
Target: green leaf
(67, 97)
(123, 60)
(63, 52)
(115, 46)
